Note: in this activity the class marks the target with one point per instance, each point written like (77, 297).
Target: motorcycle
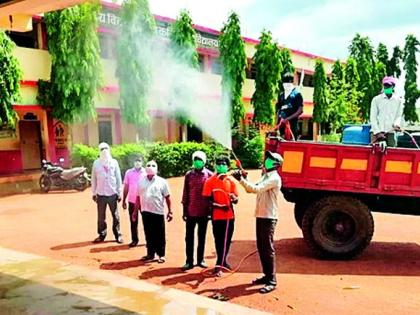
(55, 177)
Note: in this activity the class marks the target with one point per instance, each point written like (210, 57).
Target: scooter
(55, 177)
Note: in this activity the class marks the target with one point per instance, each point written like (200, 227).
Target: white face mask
(151, 169)
(105, 155)
(288, 87)
(137, 165)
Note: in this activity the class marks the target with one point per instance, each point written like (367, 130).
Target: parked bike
(55, 177)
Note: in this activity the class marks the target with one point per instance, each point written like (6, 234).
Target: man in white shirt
(153, 192)
(266, 212)
(386, 112)
(106, 190)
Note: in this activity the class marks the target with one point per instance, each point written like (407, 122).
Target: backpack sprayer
(221, 267)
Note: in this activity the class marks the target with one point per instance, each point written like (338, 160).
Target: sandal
(267, 288)
(261, 280)
(220, 297)
(161, 260)
(147, 258)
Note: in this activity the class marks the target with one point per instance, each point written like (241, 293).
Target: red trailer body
(348, 168)
(335, 187)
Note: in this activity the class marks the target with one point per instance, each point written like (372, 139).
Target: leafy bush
(248, 147)
(83, 155)
(173, 159)
(332, 137)
(126, 153)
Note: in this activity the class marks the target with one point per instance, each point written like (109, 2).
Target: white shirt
(268, 191)
(106, 181)
(152, 194)
(385, 113)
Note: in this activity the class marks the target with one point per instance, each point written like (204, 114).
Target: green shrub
(175, 159)
(83, 155)
(332, 137)
(126, 153)
(249, 148)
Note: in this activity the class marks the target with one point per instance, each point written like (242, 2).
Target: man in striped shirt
(196, 209)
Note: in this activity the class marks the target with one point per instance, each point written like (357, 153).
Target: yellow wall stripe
(293, 162)
(354, 164)
(398, 167)
(324, 162)
(418, 168)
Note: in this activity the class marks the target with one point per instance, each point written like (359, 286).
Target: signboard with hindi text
(109, 18)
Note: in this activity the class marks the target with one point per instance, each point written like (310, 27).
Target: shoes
(187, 266)
(99, 239)
(161, 260)
(202, 265)
(267, 288)
(147, 258)
(119, 240)
(217, 272)
(133, 244)
(261, 280)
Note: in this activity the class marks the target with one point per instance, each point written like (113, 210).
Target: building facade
(39, 136)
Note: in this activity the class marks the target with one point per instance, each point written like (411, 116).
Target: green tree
(382, 56)
(412, 93)
(233, 57)
(394, 63)
(184, 49)
(10, 76)
(182, 40)
(362, 51)
(286, 63)
(351, 78)
(133, 69)
(321, 97)
(380, 73)
(76, 70)
(268, 70)
(337, 107)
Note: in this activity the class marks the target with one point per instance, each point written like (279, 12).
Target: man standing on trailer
(386, 113)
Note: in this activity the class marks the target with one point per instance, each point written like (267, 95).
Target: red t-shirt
(220, 188)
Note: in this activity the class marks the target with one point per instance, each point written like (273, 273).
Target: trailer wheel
(300, 209)
(337, 227)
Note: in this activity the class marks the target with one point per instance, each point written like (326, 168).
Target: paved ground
(385, 280)
(31, 284)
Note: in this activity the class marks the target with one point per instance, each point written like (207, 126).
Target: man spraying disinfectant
(266, 212)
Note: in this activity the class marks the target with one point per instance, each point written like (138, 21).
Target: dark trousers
(133, 224)
(154, 231)
(190, 225)
(222, 232)
(112, 202)
(265, 245)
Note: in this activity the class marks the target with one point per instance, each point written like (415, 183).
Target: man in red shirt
(223, 193)
(196, 209)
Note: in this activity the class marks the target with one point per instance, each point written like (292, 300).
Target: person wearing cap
(266, 212)
(153, 191)
(222, 193)
(386, 113)
(196, 210)
(131, 179)
(289, 106)
(106, 191)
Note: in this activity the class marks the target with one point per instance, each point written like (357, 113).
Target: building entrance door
(30, 140)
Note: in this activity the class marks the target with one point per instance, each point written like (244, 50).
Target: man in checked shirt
(196, 209)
